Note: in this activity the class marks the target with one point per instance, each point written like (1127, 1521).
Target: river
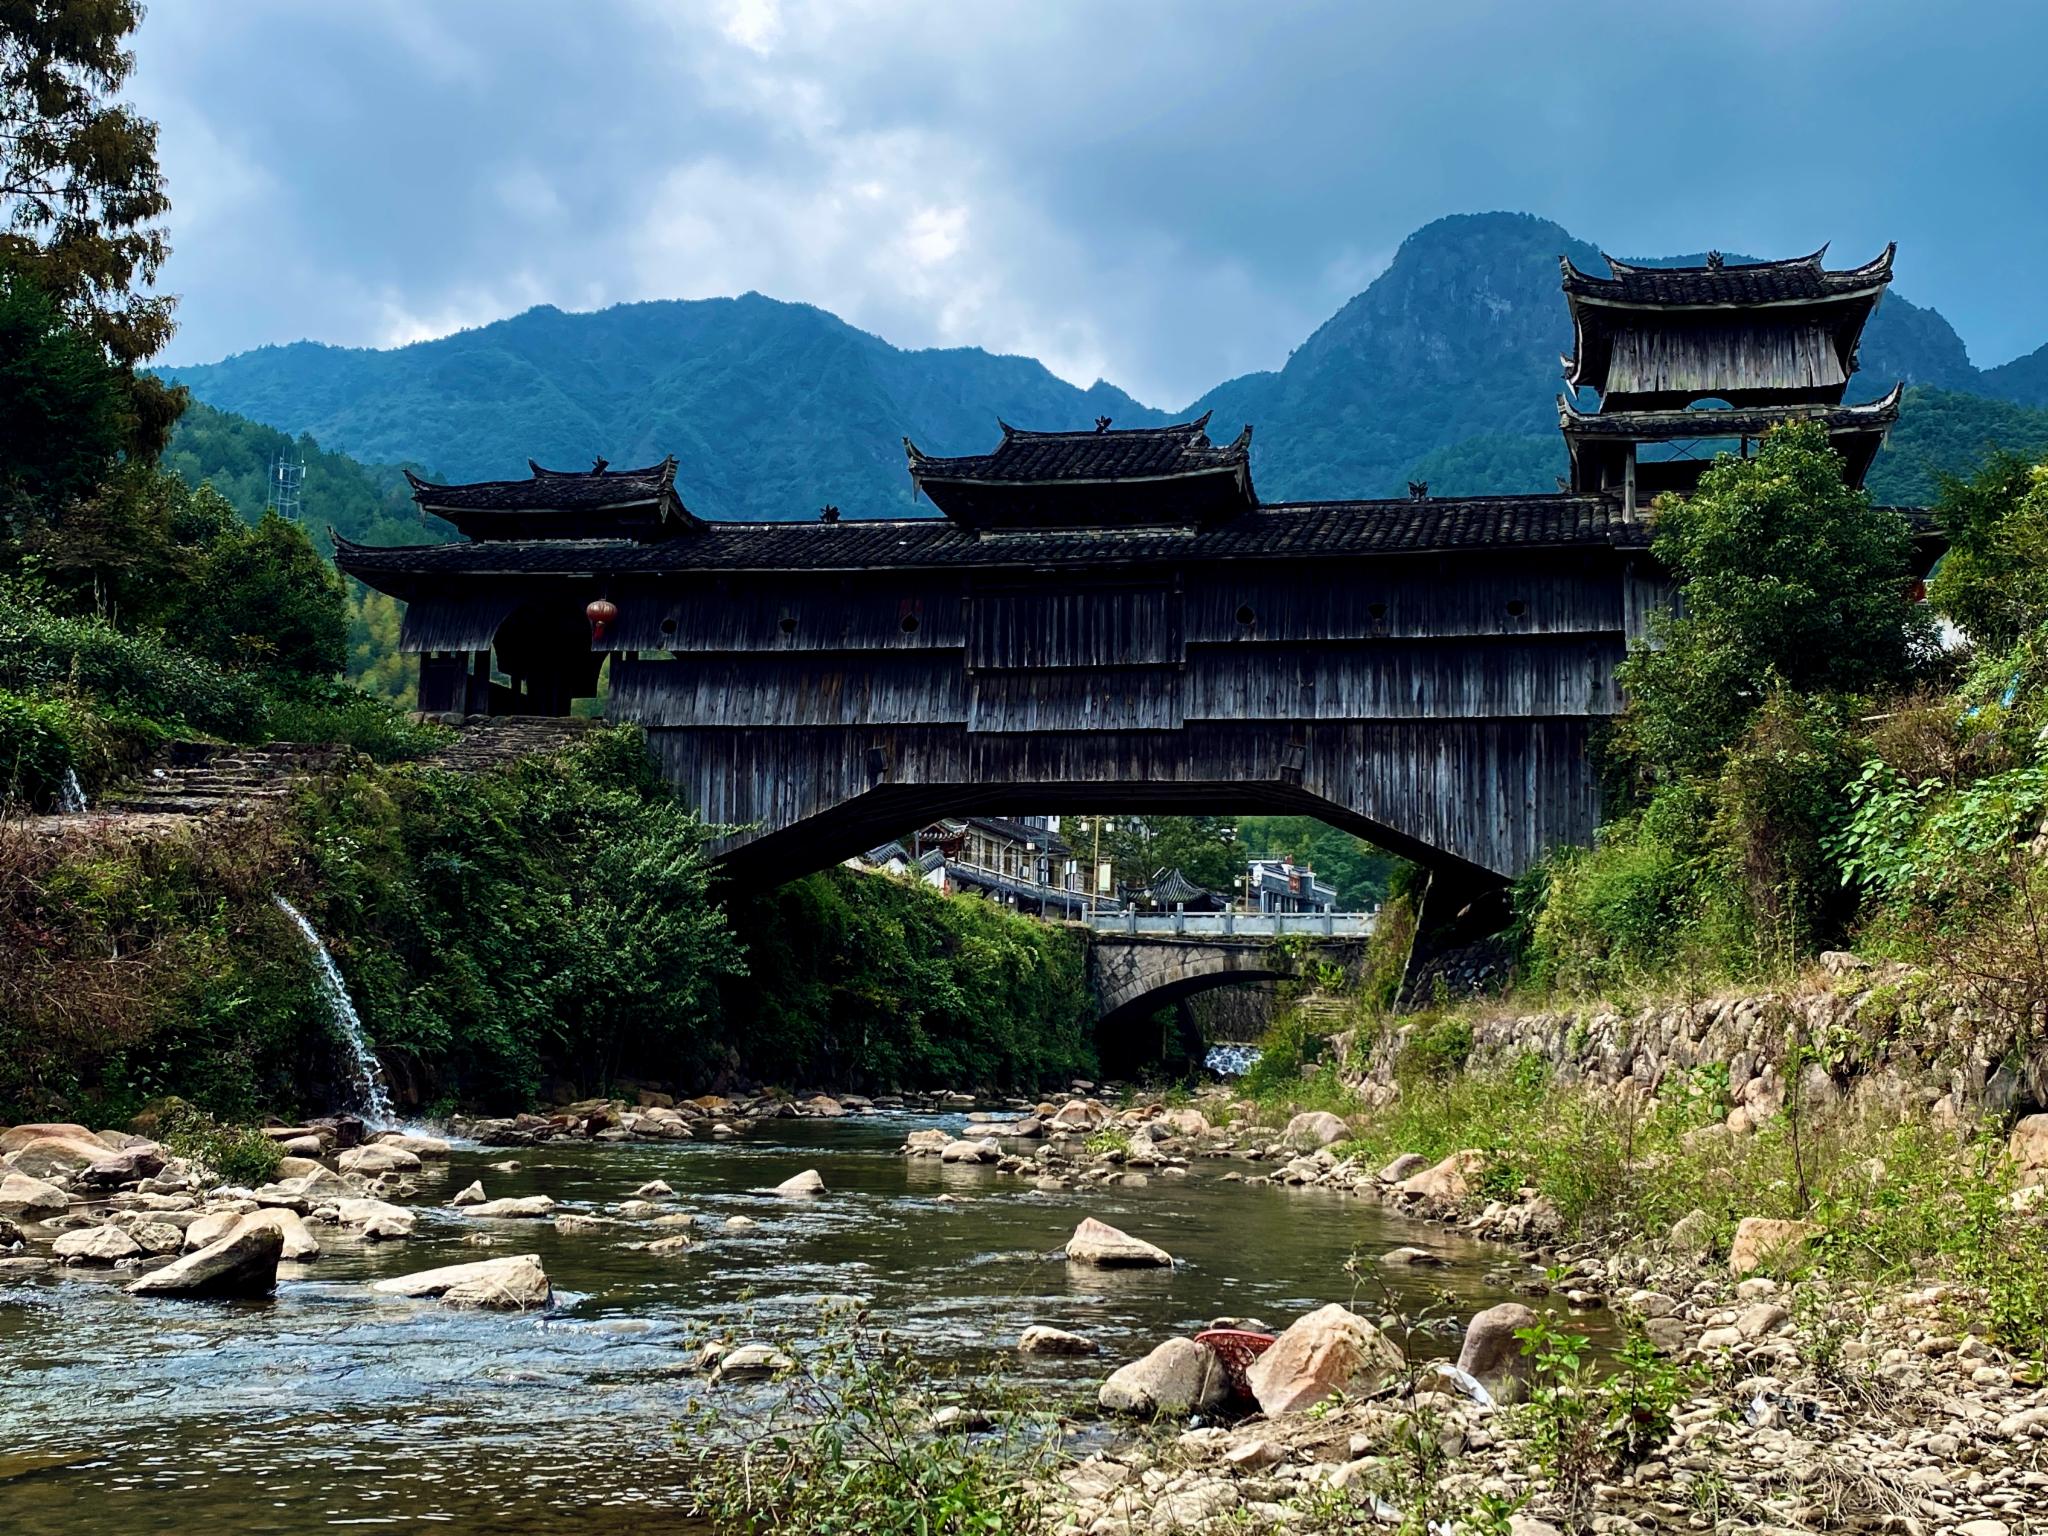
(331, 1406)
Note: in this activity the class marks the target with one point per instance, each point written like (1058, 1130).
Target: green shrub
(237, 1154)
(42, 652)
(35, 749)
(372, 726)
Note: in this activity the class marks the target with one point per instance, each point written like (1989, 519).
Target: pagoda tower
(1684, 359)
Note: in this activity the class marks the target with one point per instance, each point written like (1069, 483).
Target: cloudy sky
(1162, 194)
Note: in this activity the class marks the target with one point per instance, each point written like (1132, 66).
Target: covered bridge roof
(1285, 531)
(1101, 478)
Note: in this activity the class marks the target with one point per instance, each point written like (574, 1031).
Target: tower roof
(1102, 478)
(599, 502)
(1755, 333)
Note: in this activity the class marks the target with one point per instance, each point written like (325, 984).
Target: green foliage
(1942, 434)
(1437, 1046)
(373, 726)
(1583, 1427)
(81, 189)
(1792, 580)
(845, 1446)
(238, 1155)
(35, 749)
(366, 503)
(41, 651)
(1993, 581)
(1288, 1049)
(861, 979)
(63, 406)
(261, 600)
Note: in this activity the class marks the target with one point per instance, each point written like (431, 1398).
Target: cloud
(1159, 192)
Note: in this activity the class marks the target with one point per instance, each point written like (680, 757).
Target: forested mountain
(1445, 369)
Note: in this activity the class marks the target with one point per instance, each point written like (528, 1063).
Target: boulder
(1331, 1350)
(1315, 1128)
(653, 1189)
(1692, 1235)
(666, 1246)
(1039, 1339)
(1187, 1122)
(471, 1193)
(320, 1184)
(1766, 1242)
(2028, 1148)
(1407, 1258)
(299, 1244)
(209, 1229)
(517, 1283)
(293, 1166)
(524, 1206)
(983, 1151)
(378, 1157)
(48, 1155)
(130, 1165)
(379, 1220)
(19, 1136)
(10, 1234)
(1407, 1164)
(21, 1195)
(1493, 1354)
(96, 1245)
(157, 1238)
(1098, 1243)
(1449, 1180)
(751, 1361)
(821, 1105)
(1178, 1377)
(428, 1149)
(927, 1143)
(243, 1263)
(801, 1186)
(1080, 1115)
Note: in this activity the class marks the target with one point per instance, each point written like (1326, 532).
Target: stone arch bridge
(1134, 974)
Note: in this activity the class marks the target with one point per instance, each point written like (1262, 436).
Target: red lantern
(602, 614)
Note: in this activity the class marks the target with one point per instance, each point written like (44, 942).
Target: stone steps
(487, 741)
(196, 778)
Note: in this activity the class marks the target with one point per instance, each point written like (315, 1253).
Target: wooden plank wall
(1442, 705)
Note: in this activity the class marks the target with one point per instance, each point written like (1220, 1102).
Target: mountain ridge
(1444, 368)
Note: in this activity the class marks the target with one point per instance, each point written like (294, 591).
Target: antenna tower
(287, 472)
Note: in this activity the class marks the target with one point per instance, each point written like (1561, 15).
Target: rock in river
(526, 1205)
(1331, 1350)
(515, 1283)
(97, 1245)
(1039, 1339)
(471, 1193)
(1098, 1243)
(299, 1244)
(379, 1157)
(802, 1186)
(1178, 1377)
(244, 1263)
(21, 1195)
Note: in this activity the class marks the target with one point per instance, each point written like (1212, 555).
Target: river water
(331, 1406)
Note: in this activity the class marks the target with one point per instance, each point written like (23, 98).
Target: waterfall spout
(71, 794)
(373, 1101)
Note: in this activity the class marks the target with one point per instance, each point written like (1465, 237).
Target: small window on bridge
(1246, 616)
(788, 625)
(909, 624)
(1517, 608)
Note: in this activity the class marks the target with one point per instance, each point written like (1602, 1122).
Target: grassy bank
(1893, 1196)
(549, 927)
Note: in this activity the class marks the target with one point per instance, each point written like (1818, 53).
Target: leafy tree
(261, 598)
(1792, 578)
(81, 198)
(1359, 872)
(63, 407)
(1994, 579)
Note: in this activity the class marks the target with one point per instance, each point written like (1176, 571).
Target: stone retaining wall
(1883, 1035)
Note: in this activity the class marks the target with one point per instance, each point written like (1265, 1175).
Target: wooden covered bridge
(1112, 619)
